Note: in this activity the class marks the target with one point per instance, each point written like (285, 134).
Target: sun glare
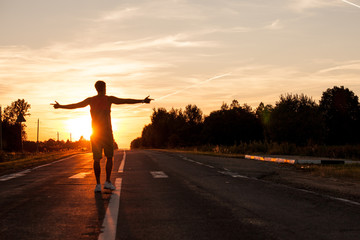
(79, 127)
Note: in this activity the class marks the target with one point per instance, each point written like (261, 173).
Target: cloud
(301, 5)
(169, 10)
(178, 40)
(116, 15)
(351, 3)
(346, 66)
(274, 25)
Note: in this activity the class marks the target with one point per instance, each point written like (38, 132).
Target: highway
(169, 195)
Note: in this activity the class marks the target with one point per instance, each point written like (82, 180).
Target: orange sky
(178, 52)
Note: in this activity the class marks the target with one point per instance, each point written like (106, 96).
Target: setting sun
(78, 127)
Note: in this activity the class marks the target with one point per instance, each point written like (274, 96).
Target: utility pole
(58, 136)
(37, 138)
(1, 145)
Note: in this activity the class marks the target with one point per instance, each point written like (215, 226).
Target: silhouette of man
(102, 136)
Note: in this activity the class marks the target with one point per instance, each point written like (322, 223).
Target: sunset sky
(180, 52)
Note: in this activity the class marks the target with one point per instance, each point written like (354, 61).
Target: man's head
(100, 87)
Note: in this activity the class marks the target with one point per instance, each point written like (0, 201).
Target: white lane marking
(344, 200)
(327, 196)
(199, 163)
(14, 175)
(122, 165)
(42, 166)
(111, 216)
(209, 166)
(233, 174)
(80, 175)
(158, 174)
(24, 172)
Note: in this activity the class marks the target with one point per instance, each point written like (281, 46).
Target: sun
(78, 127)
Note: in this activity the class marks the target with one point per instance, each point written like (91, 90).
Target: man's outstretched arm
(73, 105)
(116, 100)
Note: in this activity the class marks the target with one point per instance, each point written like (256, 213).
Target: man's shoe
(98, 188)
(108, 185)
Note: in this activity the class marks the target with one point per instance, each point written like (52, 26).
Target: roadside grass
(344, 172)
(200, 152)
(13, 162)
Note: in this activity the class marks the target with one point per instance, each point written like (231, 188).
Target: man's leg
(97, 155)
(109, 165)
(97, 170)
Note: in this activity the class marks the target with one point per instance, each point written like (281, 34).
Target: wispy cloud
(116, 15)
(274, 25)
(346, 66)
(352, 3)
(301, 5)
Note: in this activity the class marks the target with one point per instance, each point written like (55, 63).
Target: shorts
(98, 144)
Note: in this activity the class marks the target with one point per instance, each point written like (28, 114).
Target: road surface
(168, 195)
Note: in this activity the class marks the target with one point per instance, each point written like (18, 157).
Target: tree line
(295, 119)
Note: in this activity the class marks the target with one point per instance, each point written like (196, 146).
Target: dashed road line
(80, 175)
(196, 162)
(111, 216)
(158, 174)
(233, 174)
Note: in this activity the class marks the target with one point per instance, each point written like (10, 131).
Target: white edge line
(327, 196)
(122, 164)
(111, 216)
(22, 173)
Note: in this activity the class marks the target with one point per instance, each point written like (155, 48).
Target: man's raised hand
(147, 99)
(56, 104)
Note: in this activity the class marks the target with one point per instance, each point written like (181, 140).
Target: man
(102, 136)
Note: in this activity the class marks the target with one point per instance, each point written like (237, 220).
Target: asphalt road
(169, 196)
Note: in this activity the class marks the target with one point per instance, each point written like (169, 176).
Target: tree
(193, 114)
(296, 119)
(341, 111)
(12, 131)
(136, 143)
(16, 108)
(232, 125)
(264, 113)
(191, 131)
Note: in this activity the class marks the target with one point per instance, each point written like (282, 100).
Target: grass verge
(341, 172)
